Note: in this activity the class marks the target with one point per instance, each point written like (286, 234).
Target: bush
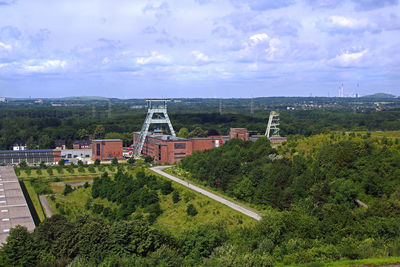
(86, 185)
(148, 159)
(176, 197)
(166, 188)
(68, 189)
(114, 161)
(131, 160)
(191, 210)
(81, 169)
(42, 165)
(91, 169)
(23, 164)
(80, 163)
(50, 171)
(39, 172)
(98, 208)
(96, 162)
(61, 162)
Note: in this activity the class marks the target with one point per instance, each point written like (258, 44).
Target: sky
(198, 48)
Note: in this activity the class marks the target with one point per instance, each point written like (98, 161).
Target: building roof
(83, 142)
(107, 140)
(14, 209)
(19, 143)
(24, 151)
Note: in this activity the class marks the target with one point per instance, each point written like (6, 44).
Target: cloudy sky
(198, 48)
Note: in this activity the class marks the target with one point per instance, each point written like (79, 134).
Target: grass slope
(35, 200)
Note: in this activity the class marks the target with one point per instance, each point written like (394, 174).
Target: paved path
(241, 209)
(45, 205)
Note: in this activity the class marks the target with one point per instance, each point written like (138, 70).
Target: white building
(19, 146)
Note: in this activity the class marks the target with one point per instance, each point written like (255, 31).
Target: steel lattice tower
(273, 123)
(157, 108)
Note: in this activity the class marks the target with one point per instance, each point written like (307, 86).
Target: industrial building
(107, 149)
(170, 149)
(48, 156)
(13, 206)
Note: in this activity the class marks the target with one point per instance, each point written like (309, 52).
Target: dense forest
(40, 127)
(310, 195)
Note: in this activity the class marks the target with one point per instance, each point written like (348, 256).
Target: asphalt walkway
(241, 209)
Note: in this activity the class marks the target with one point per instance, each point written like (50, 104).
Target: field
(174, 216)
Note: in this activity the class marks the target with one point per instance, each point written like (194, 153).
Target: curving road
(241, 209)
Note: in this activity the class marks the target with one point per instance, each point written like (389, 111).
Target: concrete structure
(107, 149)
(82, 144)
(156, 115)
(170, 149)
(13, 206)
(49, 156)
(240, 133)
(76, 153)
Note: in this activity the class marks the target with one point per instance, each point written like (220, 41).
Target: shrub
(50, 171)
(114, 161)
(68, 189)
(131, 160)
(166, 188)
(81, 169)
(96, 162)
(191, 210)
(61, 162)
(176, 197)
(91, 169)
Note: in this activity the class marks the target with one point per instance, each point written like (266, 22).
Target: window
(98, 149)
(180, 145)
(179, 153)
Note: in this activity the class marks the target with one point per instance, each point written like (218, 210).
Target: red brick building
(170, 149)
(240, 133)
(107, 149)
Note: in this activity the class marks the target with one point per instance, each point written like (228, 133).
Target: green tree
(61, 162)
(23, 164)
(83, 134)
(183, 132)
(19, 249)
(176, 197)
(131, 160)
(96, 162)
(80, 163)
(191, 210)
(148, 159)
(49, 170)
(30, 143)
(114, 161)
(42, 165)
(198, 132)
(166, 187)
(99, 131)
(68, 189)
(45, 142)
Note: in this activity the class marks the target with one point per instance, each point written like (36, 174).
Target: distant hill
(380, 95)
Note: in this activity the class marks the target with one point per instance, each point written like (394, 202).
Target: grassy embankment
(35, 200)
(184, 175)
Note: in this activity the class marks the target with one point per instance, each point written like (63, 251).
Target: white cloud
(155, 57)
(259, 38)
(200, 57)
(45, 66)
(5, 46)
(347, 59)
(346, 25)
(348, 22)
